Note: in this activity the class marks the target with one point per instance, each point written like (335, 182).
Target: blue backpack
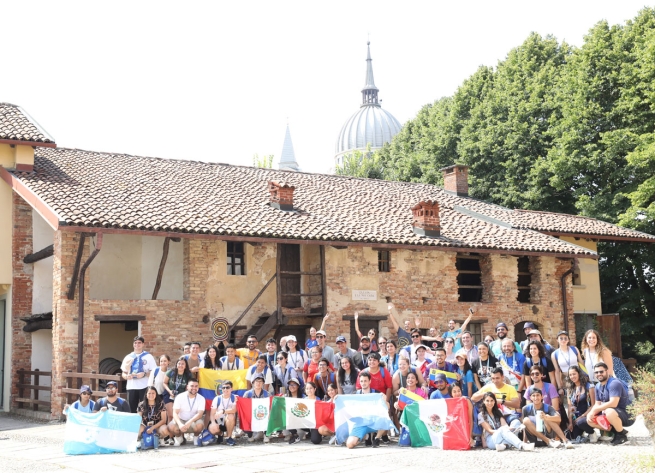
(137, 364)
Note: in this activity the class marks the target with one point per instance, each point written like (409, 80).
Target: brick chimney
(426, 219)
(281, 195)
(456, 179)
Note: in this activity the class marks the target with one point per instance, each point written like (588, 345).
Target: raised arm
(359, 334)
(466, 322)
(327, 315)
(392, 318)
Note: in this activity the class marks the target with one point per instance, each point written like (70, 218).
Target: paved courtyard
(27, 446)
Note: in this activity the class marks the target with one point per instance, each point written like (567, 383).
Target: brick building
(163, 247)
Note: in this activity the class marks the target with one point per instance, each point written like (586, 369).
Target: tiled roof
(130, 192)
(16, 124)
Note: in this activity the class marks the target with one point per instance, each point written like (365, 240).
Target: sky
(219, 81)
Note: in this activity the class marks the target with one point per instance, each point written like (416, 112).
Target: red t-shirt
(378, 382)
(311, 369)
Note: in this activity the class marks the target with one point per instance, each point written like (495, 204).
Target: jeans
(505, 436)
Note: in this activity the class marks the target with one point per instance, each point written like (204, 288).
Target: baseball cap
(258, 376)
(535, 332)
(529, 325)
(321, 332)
(501, 324)
(440, 377)
(86, 389)
(563, 332)
(294, 380)
(341, 338)
(112, 383)
(421, 346)
(291, 338)
(365, 338)
(461, 353)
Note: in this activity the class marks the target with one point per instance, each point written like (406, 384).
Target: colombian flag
(211, 380)
(450, 377)
(406, 397)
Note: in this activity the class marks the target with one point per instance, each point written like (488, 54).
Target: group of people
(519, 395)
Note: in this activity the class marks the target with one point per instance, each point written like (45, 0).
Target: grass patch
(644, 463)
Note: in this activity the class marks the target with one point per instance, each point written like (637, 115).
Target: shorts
(625, 417)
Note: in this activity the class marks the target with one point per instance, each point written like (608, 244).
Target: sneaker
(266, 439)
(554, 443)
(528, 447)
(500, 447)
(519, 429)
(294, 439)
(376, 442)
(368, 442)
(231, 442)
(593, 438)
(620, 438)
(385, 439)
(252, 438)
(568, 445)
(238, 433)
(178, 441)
(138, 444)
(333, 440)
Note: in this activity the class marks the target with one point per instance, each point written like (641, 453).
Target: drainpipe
(563, 285)
(80, 307)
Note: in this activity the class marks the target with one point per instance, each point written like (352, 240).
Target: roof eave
(594, 236)
(28, 143)
(31, 198)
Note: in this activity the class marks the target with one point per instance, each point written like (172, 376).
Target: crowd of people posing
(519, 395)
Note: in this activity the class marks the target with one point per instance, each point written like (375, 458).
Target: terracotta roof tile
(16, 124)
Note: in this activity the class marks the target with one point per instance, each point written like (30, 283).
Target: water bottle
(539, 421)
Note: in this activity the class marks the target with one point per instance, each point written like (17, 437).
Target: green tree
(265, 161)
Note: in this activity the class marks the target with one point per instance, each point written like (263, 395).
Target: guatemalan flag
(359, 414)
(105, 432)
(254, 413)
(297, 413)
(210, 382)
(440, 423)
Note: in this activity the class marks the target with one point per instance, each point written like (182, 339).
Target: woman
(372, 335)
(283, 373)
(311, 367)
(489, 339)
(211, 359)
(391, 358)
(175, 383)
(153, 414)
(382, 344)
(83, 403)
(594, 351)
(333, 391)
(311, 341)
(399, 379)
(464, 373)
(297, 357)
(421, 363)
(563, 358)
(293, 391)
(449, 344)
(496, 431)
(455, 391)
(582, 397)
(158, 375)
(347, 376)
(412, 386)
(483, 366)
(535, 355)
(548, 391)
(315, 435)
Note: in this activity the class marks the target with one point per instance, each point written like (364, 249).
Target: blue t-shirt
(453, 334)
(466, 378)
(613, 388)
(529, 410)
(437, 395)
(310, 343)
(251, 394)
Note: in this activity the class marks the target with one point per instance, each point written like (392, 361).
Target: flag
(254, 413)
(104, 432)
(406, 397)
(450, 377)
(296, 413)
(508, 372)
(209, 380)
(441, 423)
(583, 368)
(359, 414)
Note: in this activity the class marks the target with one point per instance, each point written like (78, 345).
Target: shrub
(644, 404)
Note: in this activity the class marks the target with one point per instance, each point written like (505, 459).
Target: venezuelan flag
(406, 397)
(450, 377)
(210, 380)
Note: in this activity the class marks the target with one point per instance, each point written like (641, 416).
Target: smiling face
(270, 347)
(563, 340)
(461, 361)
(412, 381)
(364, 382)
(312, 332)
(151, 395)
(489, 403)
(483, 351)
(391, 349)
(451, 325)
(211, 352)
(322, 367)
(195, 349)
(403, 365)
(180, 365)
(507, 347)
(309, 390)
(345, 363)
(456, 391)
(293, 388)
(592, 340)
(501, 332)
(534, 351)
(251, 343)
(163, 363)
(467, 340)
(574, 376)
(331, 392)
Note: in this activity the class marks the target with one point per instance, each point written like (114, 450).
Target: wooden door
(609, 326)
(290, 283)
(364, 326)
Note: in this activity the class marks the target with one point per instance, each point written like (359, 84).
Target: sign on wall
(364, 295)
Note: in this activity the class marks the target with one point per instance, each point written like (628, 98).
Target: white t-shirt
(268, 378)
(188, 407)
(157, 381)
(148, 364)
(220, 402)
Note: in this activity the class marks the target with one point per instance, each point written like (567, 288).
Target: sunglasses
(86, 394)
(599, 372)
(416, 336)
(227, 387)
(448, 341)
(320, 336)
(280, 358)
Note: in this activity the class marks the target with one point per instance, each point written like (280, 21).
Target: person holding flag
(442, 391)
(364, 384)
(223, 414)
(254, 413)
(412, 393)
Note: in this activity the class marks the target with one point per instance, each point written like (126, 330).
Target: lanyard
(191, 406)
(325, 383)
(224, 405)
(178, 381)
(294, 361)
(230, 368)
(151, 414)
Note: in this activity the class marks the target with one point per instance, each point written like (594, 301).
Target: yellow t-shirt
(248, 357)
(507, 390)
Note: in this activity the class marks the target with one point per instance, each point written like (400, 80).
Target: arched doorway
(519, 333)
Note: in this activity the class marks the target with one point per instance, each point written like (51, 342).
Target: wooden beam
(38, 325)
(46, 252)
(278, 272)
(323, 279)
(253, 302)
(76, 268)
(162, 265)
(119, 318)
(365, 317)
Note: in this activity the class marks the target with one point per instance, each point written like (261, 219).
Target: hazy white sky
(216, 81)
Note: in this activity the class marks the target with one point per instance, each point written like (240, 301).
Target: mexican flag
(254, 413)
(297, 413)
(440, 423)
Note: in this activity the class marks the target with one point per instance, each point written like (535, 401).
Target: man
(403, 335)
(611, 400)
(380, 379)
(409, 352)
(257, 392)
(505, 394)
(187, 348)
(223, 414)
(271, 355)
(343, 350)
(550, 418)
(230, 361)
(440, 363)
(328, 351)
(361, 357)
(193, 358)
(535, 334)
(527, 328)
(249, 354)
(136, 369)
(441, 382)
(456, 333)
(471, 349)
(188, 412)
(496, 345)
(260, 368)
(112, 401)
(364, 382)
(323, 378)
(514, 362)
(433, 341)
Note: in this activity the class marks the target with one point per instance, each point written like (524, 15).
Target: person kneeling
(153, 416)
(542, 421)
(188, 410)
(223, 414)
(353, 440)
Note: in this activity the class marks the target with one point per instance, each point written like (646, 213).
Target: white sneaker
(593, 438)
(500, 447)
(333, 440)
(568, 445)
(266, 439)
(178, 441)
(528, 447)
(554, 443)
(238, 433)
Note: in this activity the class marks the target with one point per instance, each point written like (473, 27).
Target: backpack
(382, 370)
(254, 368)
(121, 401)
(137, 364)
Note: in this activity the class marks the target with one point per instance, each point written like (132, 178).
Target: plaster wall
(115, 341)
(586, 295)
(42, 285)
(172, 279)
(5, 233)
(42, 357)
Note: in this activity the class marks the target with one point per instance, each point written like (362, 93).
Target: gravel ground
(38, 447)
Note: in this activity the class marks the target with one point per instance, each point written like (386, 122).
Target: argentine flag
(359, 414)
(105, 432)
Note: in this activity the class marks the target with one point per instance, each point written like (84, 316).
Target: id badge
(150, 424)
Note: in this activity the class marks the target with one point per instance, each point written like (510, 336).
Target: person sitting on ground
(548, 391)
(507, 396)
(158, 375)
(539, 413)
(372, 335)
(455, 391)
(83, 403)
(347, 376)
(231, 361)
(464, 372)
(364, 381)
(322, 379)
(333, 392)
(260, 368)
(153, 414)
(112, 402)
(188, 411)
(612, 400)
(498, 434)
(283, 373)
(223, 414)
(441, 384)
(483, 366)
(257, 392)
(175, 383)
(582, 396)
(594, 351)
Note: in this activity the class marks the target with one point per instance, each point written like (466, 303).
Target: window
(384, 259)
(469, 278)
(235, 259)
(524, 279)
(476, 331)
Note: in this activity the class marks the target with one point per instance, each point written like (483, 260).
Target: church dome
(370, 125)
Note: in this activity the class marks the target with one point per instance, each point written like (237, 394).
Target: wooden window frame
(523, 295)
(384, 261)
(469, 290)
(235, 249)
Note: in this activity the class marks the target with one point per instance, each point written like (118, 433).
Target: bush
(644, 404)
